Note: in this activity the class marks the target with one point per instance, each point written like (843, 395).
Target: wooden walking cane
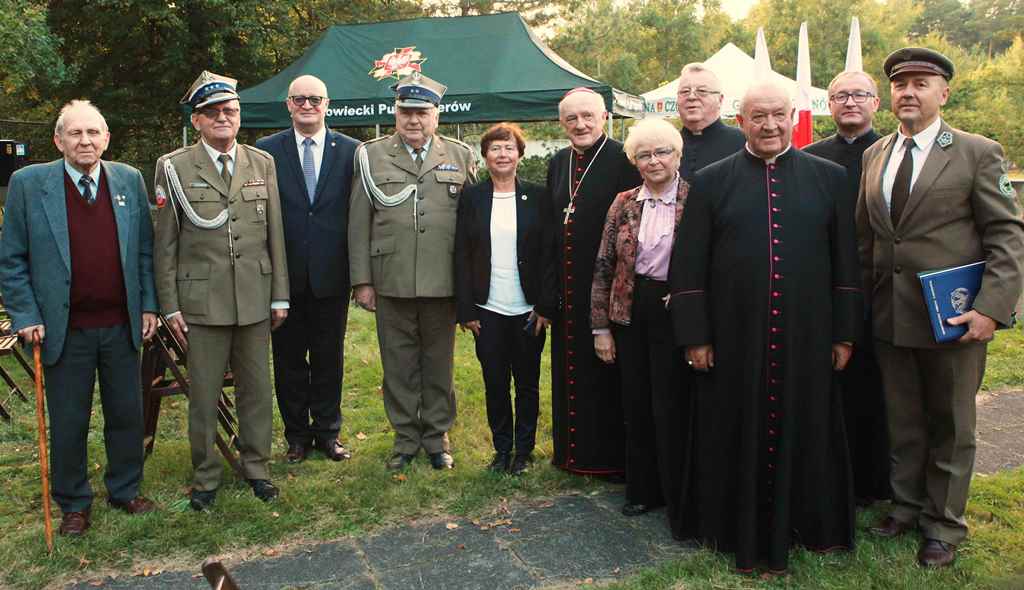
(44, 461)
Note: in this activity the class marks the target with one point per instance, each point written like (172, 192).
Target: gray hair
(696, 68)
(651, 131)
(844, 75)
(76, 104)
(596, 100)
(761, 88)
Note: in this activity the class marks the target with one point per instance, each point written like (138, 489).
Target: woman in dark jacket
(505, 289)
(631, 324)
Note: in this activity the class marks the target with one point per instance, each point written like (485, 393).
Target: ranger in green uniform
(405, 195)
(222, 279)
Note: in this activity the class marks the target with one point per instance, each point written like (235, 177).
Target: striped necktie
(87, 193)
(309, 168)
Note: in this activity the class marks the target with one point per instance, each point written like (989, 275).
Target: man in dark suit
(933, 197)
(76, 271)
(314, 176)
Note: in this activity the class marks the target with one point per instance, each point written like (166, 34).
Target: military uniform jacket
(229, 275)
(961, 209)
(408, 250)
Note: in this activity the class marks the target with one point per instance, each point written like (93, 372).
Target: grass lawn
(322, 500)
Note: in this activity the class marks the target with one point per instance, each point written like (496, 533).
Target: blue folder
(949, 292)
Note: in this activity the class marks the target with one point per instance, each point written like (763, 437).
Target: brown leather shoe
(935, 553)
(890, 527)
(137, 505)
(296, 453)
(74, 524)
(334, 450)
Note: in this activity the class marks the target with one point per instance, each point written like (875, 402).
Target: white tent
(735, 69)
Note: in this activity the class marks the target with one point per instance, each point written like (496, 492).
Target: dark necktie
(87, 193)
(418, 157)
(901, 185)
(225, 171)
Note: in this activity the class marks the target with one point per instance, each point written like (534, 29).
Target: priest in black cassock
(586, 403)
(706, 139)
(853, 100)
(767, 302)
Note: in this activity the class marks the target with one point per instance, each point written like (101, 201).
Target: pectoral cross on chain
(568, 211)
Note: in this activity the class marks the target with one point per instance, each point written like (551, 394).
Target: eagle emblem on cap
(401, 62)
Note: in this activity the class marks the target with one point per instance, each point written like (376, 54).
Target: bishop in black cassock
(863, 399)
(586, 402)
(765, 272)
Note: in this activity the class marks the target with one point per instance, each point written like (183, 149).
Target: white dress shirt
(923, 143)
(318, 148)
(425, 148)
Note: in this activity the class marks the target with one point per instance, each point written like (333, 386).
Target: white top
(214, 154)
(923, 143)
(505, 295)
(318, 147)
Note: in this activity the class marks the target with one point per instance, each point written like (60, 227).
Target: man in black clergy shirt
(583, 180)
(766, 300)
(853, 100)
(706, 139)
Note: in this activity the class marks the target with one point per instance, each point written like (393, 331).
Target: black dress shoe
(635, 509)
(442, 460)
(334, 450)
(264, 489)
(296, 453)
(500, 463)
(935, 553)
(890, 527)
(399, 461)
(201, 501)
(520, 464)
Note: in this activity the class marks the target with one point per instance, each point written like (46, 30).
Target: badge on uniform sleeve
(1006, 187)
(945, 139)
(161, 197)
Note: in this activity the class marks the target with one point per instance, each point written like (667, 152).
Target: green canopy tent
(495, 68)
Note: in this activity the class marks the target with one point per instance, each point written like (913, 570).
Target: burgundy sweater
(97, 283)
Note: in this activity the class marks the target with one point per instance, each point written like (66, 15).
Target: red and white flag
(803, 132)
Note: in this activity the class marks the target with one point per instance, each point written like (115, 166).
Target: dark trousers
(930, 402)
(69, 392)
(655, 396)
(507, 351)
(308, 365)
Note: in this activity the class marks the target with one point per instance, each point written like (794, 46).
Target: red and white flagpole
(803, 133)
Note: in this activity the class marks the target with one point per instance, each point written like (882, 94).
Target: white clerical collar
(318, 138)
(214, 153)
(923, 138)
(850, 140)
(412, 150)
(768, 160)
(77, 176)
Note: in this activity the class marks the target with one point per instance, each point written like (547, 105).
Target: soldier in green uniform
(222, 279)
(405, 194)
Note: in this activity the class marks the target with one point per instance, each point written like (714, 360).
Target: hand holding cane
(44, 462)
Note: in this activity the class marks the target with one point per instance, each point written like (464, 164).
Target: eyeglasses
(660, 153)
(859, 97)
(698, 92)
(213, 113)
(300, 100)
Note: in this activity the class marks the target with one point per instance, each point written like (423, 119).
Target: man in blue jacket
(76, 273)
(314, 175)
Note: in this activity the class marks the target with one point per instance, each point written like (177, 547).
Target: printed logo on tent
(400, 62)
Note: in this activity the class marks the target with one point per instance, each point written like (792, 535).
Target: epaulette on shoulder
(175, 153)
(256, 151)
(456, 142)
(375, 140)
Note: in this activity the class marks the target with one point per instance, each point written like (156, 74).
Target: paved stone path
(557, 542)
